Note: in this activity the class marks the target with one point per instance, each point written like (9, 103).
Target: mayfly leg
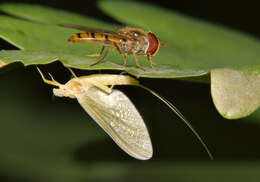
(114, 84)
(50, 82)
(72, 72)
(97, 84)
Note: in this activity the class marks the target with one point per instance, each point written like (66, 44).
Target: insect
(113, 111)
(126, 40)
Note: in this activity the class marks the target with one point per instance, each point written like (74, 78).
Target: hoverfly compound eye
(153, 44)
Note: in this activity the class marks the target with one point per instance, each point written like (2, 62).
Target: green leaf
(194, 48)
(191, 44)
(48, 15)
(198, 45)
(51, 39)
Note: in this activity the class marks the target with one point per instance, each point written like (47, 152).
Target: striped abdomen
(95, 38)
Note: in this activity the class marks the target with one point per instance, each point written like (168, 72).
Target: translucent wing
(116, 114)
(94, 30)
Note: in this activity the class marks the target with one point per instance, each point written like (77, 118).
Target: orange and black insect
(126, 40)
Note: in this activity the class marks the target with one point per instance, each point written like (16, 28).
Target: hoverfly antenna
(163, 44)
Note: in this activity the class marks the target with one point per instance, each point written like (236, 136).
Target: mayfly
(126, 40)
(113, 111)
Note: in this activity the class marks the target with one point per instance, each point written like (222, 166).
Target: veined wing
(116, 114)
(93, 30)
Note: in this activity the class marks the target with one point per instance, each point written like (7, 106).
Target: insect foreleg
(149, 57)
(114, 84)
(119, 50)
(137, 63)
(101, 59)
(92, 82)
(101, 86)
(73, 74)
(124, 60)
(50, 82)
(99, 54)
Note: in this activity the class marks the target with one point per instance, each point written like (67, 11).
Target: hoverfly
(113, 111)
(126, 40)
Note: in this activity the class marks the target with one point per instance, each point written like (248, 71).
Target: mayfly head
(61, 92)
(70, 89)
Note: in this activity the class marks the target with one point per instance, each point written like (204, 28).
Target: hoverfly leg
(137, 63)
(101, 59)
(99, 54)
(118, 49)
(152, 63)
(124, 60)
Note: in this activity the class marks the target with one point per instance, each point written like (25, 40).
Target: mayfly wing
(93, 30)
(116, 114)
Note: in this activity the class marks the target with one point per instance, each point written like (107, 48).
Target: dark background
(228, 140)
(241, 15)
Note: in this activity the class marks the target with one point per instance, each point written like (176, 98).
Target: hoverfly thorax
(137, 41)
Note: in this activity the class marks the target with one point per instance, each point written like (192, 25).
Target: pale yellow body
(101, 81)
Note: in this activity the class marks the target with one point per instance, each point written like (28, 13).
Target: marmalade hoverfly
(126, 40)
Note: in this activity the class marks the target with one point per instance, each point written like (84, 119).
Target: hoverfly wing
(116, 114)
(93, 30)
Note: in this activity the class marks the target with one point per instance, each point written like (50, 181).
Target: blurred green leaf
(194, 48)
(236, 94)
(48, 15)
